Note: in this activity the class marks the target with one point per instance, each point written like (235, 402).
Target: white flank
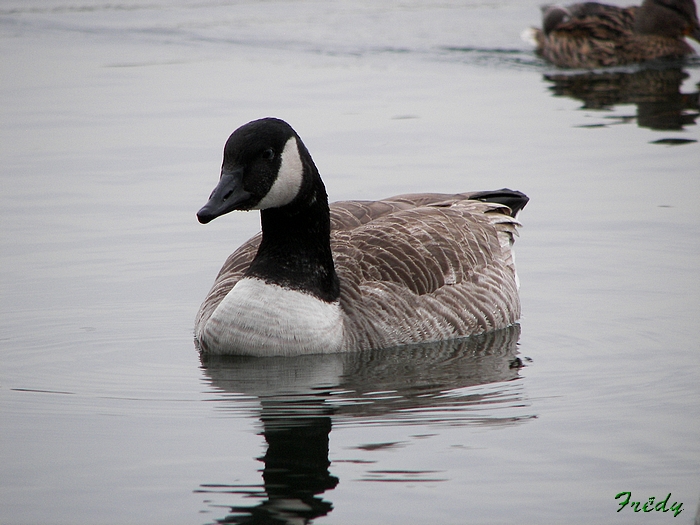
(262, 319)
(288, 181)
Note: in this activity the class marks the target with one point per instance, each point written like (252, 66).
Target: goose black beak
(228, 196)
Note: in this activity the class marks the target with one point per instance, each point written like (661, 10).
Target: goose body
(591, 35)
(354, 275)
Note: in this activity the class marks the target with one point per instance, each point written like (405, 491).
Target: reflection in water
(297, 398)
(656, 92)
(295, 472)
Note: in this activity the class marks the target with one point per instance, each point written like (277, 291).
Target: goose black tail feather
(515, 200)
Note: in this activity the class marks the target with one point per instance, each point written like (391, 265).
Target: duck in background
(591, 35)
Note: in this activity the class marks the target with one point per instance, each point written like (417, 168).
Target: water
(114, 116)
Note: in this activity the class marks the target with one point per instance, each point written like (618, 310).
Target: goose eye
(268, 154)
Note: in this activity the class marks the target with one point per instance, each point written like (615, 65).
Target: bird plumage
(411, 268)
(591, 35)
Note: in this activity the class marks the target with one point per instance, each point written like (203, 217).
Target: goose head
(265, 166)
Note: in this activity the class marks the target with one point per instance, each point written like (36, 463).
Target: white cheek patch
(288, 181)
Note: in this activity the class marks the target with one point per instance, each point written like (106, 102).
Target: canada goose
(590, 35)
(360, 275)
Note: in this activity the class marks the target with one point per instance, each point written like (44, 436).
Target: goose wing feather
(433, 272)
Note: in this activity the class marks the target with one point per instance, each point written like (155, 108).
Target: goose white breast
(354, 275)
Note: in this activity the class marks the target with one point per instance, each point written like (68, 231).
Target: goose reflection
(298, 399)
(656, 92)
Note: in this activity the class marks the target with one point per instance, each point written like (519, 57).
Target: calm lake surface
(113, 120)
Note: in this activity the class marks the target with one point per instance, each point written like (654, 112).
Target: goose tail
(515, 200)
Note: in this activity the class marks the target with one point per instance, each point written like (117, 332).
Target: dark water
(114, 116)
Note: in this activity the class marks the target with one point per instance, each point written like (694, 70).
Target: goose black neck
(295, 250)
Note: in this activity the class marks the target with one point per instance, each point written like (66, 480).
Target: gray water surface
(113, 120)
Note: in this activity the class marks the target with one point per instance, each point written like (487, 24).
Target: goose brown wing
(431, 272)
(351, 214)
